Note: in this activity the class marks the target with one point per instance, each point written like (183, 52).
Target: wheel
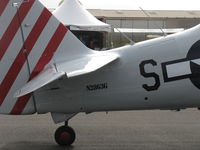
(65, 136)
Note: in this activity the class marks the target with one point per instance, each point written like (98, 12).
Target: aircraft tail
(29, 39)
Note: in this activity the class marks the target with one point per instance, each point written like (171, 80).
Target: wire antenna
(16, 5)
(131, 41)
(154, 22)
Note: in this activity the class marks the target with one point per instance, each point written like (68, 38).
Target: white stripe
(29, 107)
(6, 17)
(178, 69)
(10, 101)
(34, 56)
(39, 48)
(17, 43)
(43, 41)
(10, 55)
(12, 52)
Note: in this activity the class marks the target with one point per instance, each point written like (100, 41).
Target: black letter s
(148, 75)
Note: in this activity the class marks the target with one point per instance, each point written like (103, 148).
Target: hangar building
(139, 26)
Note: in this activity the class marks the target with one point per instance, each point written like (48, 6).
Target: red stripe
(14, 26)
(44, 59)
(50, 50)
(20, 104)
(3, 4)
(21, 59)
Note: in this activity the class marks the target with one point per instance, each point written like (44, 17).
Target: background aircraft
(46, 69)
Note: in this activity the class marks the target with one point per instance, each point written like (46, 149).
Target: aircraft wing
(73, 68)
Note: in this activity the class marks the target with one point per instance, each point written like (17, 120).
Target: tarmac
(130, 130)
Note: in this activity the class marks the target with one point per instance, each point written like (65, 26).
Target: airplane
(46, 69)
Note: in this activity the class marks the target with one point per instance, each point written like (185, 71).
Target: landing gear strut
(65, 135)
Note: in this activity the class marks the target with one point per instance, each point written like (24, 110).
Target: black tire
(65, 136)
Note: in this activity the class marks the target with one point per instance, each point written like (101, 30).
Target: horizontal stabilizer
(73, 68)
(86, 64)
(48, 75)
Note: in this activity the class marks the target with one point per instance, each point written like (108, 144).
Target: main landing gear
(65, 135)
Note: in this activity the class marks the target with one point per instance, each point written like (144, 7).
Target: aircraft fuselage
(155, 74)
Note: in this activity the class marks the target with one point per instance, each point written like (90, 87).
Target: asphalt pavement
(132, 130)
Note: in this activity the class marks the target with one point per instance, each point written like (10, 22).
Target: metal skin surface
(125, 82)
(161, 73)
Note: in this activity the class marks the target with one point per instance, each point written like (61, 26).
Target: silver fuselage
(121, 84)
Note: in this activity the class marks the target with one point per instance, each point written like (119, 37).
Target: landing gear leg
(65, 135)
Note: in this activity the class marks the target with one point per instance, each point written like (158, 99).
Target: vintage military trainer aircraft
(45, 68)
